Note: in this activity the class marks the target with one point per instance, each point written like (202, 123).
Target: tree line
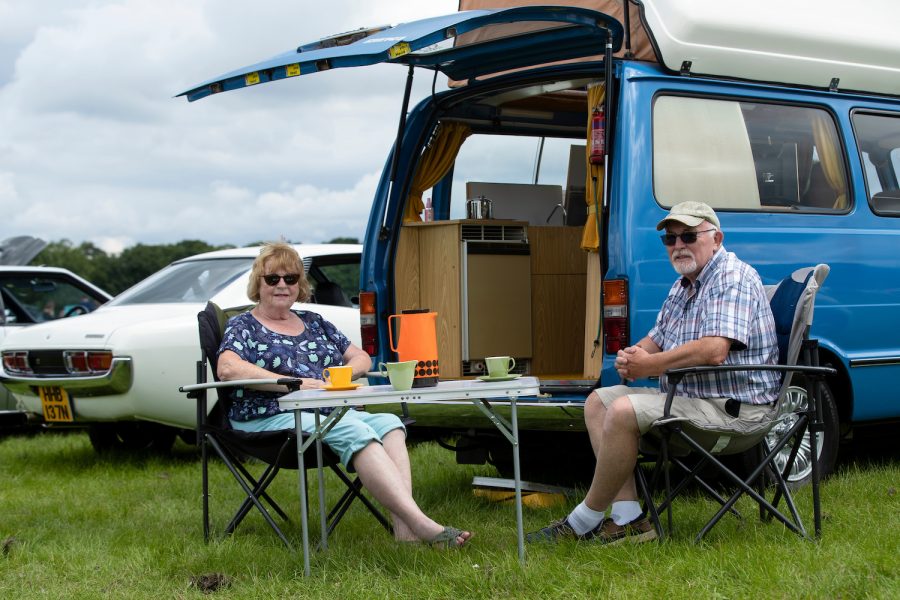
(117, 272)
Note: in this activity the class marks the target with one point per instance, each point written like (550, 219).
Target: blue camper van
(551, 255)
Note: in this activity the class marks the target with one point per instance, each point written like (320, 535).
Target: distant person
(272, 341)
(716, 312)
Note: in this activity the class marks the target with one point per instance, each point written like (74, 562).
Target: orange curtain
(826, 148)
(593, 186)
(436, 160)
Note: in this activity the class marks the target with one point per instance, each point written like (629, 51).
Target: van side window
(747, 156)
(878, 137)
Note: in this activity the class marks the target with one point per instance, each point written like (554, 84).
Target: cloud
(95, 147)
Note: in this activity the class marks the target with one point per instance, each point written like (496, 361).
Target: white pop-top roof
(806, 42)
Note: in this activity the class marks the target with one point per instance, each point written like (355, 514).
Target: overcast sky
(94, 146)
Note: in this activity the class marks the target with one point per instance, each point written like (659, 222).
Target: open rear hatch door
(462, 45)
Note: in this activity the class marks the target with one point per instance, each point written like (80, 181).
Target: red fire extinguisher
(598, 136)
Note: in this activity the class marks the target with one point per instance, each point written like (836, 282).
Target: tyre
(826, 441)
(131, 437)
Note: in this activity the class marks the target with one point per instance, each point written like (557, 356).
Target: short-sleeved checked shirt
(727, 300)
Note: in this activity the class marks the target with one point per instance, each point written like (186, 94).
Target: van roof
(827, 44)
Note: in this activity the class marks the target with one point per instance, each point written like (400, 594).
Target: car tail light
(368, 322)
(81, 362)
(615, 315)
(16, 363)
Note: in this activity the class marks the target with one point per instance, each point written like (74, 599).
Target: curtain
(593, 186)
(829, 158)
(436, 160)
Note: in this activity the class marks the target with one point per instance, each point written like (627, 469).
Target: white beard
(684, 268)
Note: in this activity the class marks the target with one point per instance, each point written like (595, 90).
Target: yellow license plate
(56, 405)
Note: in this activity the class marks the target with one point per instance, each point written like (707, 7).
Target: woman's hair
(282, 258)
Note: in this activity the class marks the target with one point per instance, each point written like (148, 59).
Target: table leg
(518, 479)
(322, 519)
(302, 473)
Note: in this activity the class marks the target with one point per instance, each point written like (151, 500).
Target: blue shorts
(356, 429)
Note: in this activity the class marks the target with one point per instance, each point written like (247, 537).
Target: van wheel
(827, 440)
(131, 436)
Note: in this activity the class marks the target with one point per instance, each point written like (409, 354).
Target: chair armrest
(195, 387)
(675, 376)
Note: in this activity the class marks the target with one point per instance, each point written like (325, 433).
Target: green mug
(499, 366)
(400, 374)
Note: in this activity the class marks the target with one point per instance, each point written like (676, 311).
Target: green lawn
(77, 525)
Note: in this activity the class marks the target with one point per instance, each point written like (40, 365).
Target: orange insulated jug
(416, 339)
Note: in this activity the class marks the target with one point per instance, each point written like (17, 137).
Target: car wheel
(826, 441)
(131, 436)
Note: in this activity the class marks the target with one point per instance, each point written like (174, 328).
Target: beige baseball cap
(691, 214)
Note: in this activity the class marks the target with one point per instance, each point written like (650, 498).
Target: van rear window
(747, 155)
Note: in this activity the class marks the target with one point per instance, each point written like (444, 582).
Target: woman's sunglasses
(688, 237)
(289, 279)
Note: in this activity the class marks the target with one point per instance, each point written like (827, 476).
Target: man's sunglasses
(688, 237)
(289, 279)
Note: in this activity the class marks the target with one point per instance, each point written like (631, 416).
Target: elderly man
(715, 313)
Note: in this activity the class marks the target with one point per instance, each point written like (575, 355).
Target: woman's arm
(231, 366)
(359, 359)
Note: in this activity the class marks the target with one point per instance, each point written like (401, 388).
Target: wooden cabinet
(493, 299)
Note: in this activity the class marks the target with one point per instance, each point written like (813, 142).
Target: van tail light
(615, 315)
(368, 323)
(82, 362)
(16, 363)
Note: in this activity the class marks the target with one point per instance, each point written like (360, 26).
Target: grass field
(77, 525)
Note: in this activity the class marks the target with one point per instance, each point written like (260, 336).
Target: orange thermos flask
(416, 339)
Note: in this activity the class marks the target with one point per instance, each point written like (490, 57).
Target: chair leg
(204, 461)
(647, 497)
(247, 490)
(354, 489)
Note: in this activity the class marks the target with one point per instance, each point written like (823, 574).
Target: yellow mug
(338, 376)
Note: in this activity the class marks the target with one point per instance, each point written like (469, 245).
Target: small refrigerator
(496, 308)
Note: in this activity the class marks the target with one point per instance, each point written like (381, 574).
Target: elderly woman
(272, 341)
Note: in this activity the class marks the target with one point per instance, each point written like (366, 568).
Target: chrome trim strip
(117, 381)
(875, 362)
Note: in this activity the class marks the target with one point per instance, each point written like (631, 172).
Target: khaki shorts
(708, 413)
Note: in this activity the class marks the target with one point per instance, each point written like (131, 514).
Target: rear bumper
(117, 381)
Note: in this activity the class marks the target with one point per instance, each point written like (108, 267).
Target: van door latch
(686, 67)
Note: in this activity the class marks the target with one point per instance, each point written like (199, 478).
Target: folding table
(480, 393)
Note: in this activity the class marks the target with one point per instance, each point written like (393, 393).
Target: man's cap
(691, 214)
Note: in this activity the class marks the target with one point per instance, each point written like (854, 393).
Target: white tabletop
(469, 389)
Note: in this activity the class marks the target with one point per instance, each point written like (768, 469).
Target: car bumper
(117, 381)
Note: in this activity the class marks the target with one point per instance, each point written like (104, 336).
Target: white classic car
(118, 369)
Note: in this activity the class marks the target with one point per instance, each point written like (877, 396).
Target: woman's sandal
(447, 539)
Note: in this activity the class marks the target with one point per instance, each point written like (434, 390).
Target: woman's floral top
(306, 355)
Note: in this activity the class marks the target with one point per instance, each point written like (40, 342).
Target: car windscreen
(189, 281)
(33, 297)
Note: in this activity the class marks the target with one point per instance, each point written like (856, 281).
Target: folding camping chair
(671, 439)
(277, 449)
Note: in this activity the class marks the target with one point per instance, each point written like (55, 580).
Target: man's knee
(620, 414)
(593, 407)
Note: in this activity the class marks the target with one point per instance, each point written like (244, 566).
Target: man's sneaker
(559, 530)
(635, 532)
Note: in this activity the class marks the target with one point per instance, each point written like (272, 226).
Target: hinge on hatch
(686, 67)
(833, 86)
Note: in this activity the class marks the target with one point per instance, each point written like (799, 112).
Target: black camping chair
(276, 449)
(796, 419)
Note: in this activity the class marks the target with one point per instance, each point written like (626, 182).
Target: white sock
(583, 518)
(625, 511)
